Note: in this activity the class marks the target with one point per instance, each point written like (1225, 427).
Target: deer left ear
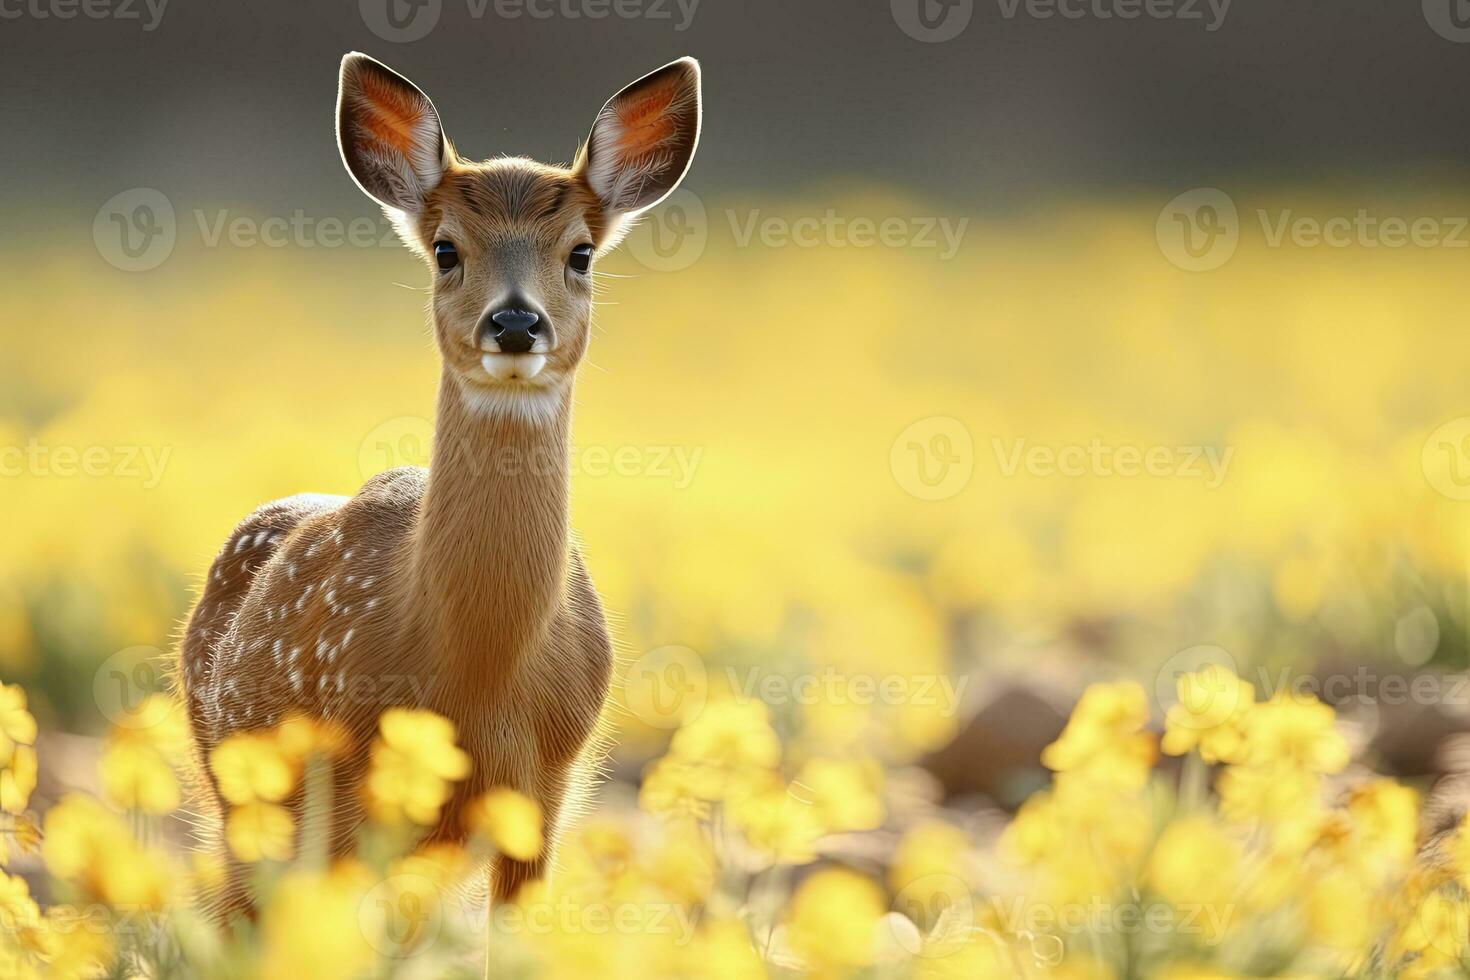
(643, 140)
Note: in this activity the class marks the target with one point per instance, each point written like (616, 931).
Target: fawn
(461, 580)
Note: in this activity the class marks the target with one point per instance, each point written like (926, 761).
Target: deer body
(457, 589)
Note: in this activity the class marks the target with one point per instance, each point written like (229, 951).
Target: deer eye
(581, 259)
(446, 255)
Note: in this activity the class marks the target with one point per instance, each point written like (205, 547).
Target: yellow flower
(681, 861)
(510, 820)
(778, 824)
(1296, 731)
(1104, 740)
(17, 726)
(929, 856)
(672, 787)
(1340, 912)
(18, 781)
(722, 951)
(167, 730)
(25, 835)
(251, 768)
(300, 737)
(1273, 795)
(413, 763)
(134, 775)
(844, 793)
(17, 908)
(260, 831)
(833, 919)
(75, 953)
(445, 865)
(88, 844)
(1196, 863)
(1211, 714)
(729, 749)
(319, 924)
(1383, 820)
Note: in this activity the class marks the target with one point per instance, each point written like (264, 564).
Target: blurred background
(989, 348)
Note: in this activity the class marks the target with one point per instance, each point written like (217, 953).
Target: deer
(462, 579)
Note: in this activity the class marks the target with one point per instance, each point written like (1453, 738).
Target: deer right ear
(643, 140)
(389, 134)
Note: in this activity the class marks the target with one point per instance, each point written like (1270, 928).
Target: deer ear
(389, 134)
(643, 140)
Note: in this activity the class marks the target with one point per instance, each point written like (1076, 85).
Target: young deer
(456, 589)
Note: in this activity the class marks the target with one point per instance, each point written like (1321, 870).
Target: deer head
(511, 243)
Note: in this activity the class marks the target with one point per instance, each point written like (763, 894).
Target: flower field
(1177, 503)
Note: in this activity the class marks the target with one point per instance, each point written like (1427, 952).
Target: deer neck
(490, 549)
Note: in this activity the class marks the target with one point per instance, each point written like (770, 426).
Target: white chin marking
(510, 367)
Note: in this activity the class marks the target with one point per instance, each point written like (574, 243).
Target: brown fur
(457, 589)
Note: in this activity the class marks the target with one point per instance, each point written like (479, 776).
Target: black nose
(515, 330)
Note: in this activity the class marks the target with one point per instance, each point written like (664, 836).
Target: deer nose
(513, 329)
